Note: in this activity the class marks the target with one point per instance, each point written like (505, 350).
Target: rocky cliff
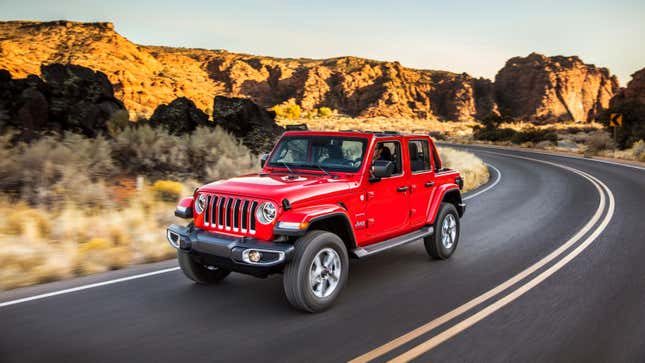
(534, 88)
(548, 89)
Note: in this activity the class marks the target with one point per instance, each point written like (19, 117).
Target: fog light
(255, 256)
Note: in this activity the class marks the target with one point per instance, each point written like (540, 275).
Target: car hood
(278, 186)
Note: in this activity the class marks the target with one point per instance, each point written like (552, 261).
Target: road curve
(584, 304)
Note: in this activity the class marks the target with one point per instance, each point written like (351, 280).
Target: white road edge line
(499, 176)
(464, 308)
(85, 287)
(513, 295)
(575, 157)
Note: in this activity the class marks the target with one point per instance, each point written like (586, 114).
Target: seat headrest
(414, 151)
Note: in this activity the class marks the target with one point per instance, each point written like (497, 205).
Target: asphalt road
(581, 299)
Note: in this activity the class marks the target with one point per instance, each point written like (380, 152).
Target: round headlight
(200, 205)
(266, 212)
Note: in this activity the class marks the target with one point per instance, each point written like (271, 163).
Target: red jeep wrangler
(320, 198)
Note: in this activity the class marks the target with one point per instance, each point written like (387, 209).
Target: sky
(476, 37)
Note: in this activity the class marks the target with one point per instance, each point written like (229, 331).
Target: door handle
(429, 184)
(402, 189)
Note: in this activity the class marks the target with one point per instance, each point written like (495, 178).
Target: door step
(361, 252)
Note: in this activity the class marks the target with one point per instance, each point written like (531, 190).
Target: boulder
(179, 116)
(80, 99)
(23, 104)
(254, 125)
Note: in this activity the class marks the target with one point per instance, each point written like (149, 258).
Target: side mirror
(382, 169)
(263, 159)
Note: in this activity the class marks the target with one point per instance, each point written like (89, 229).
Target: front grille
(228, 213)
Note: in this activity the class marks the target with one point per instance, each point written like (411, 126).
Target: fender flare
(440, 194)
(306, 216)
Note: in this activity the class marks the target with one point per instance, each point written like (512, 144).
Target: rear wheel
(443, 242)
(199, 273)
(317, 273)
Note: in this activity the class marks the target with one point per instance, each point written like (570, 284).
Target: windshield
(326, 153)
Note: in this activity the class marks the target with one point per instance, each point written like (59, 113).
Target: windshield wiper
(322, 169)
(287, 166)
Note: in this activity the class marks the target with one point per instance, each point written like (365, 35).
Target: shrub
(492, 121)
(148, 150)
(638, 149)
(598, 141)
(168, 190)
(289, 111)
(534, 135)
(55, 169)
(633, 128)
(490, 134)
(206, 153)
(118, 122)
(324, 112)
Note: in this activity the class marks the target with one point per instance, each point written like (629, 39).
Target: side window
(391, 151)
(419, 155)
(435, 157)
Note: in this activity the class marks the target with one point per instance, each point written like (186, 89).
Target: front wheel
(199, 273)
(443, 242)
(317, 273)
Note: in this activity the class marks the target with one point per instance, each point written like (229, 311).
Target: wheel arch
(448, 193)
(337, 223)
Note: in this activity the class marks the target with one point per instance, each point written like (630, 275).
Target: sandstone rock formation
(533, 88)
(180, 116)
(634, 92)
(145, 77)
(549, 89)
(68, 98)
(254, 125)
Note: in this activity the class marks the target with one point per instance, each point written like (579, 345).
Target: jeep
(319, 199)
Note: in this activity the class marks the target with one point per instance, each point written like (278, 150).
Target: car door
(422, 180)
(388, 199)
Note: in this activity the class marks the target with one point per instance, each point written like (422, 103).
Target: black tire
(296, 279)
(434, 246)
(199, 273)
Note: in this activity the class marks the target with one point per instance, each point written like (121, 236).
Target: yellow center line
(398, 342)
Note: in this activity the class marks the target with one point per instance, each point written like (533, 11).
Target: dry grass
(472, 168)
(71, 205)
(41, 245)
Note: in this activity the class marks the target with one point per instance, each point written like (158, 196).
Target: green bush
(633, 128)
(530, 134)
(534, 135)
(492, 134)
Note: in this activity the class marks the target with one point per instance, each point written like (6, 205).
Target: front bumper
(213, 249)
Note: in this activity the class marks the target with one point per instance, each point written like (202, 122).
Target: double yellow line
(606, 198)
